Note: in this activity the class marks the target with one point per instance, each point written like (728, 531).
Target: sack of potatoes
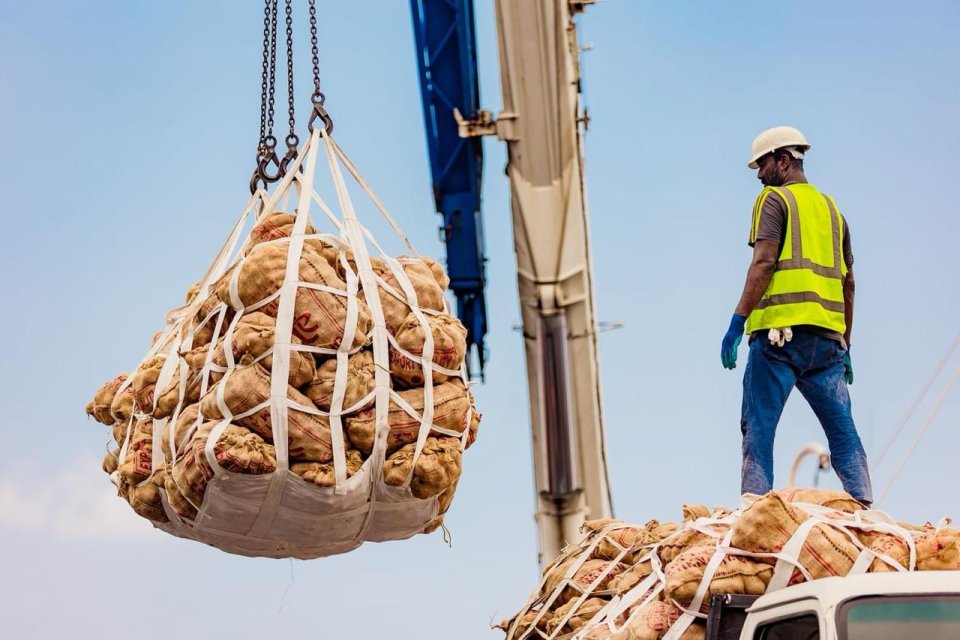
(307, 397)
(637, 582)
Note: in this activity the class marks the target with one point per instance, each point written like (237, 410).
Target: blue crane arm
(447, 61)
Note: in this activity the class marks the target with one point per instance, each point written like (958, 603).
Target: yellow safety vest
(807, 285)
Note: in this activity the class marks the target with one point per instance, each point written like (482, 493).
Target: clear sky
(128, 131)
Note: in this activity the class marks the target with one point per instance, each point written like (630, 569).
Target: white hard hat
(778, 138)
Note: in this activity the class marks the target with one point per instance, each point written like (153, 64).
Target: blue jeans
(814, 364)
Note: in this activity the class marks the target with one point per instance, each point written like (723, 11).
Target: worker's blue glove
(847, 368)
(728, 350)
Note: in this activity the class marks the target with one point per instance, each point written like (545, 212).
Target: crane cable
(923, 430)
(938, 369)
(916, 402)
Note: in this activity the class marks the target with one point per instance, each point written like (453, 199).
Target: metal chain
(317, 98)
(317, 94)
(273, 72)
(266, 149)
(292, 140)
(266, 154)
(264, 77)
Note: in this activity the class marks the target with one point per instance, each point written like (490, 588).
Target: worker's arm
(849, 286)
(758, 275)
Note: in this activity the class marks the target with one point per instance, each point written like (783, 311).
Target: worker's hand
(731, 341)
(847, 368)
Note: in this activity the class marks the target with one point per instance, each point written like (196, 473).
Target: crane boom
(447, 61)
(540, 121)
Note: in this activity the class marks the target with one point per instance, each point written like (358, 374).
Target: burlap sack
(144, 498)
(111, 460)
(204, 322)
(736, 574)
(345, 260)
(694, 511)
(273, 226)
(437, 469)
(192, 292)
(650, 623)
(632, 537)
(197, 356)
(322, 473)
(177, 501)
(439, 273)
(99, 406)
(119, 429)
(769, 522)
(236, 450)
(144, 383)
(632, 577)
(122, 406)
(360, 382)
(137, 463)
(319, 316)
(185, 421)
(582, 615)
(824, 497)
(671, 548)
(587, 578)
(393, 300)
(254, 335)
(937, 551)
(451, 408)
(170, 396)
(888, 544)
(525, 623)
(449, 348)
(247, 387)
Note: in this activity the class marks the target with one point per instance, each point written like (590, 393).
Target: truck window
(805, 627)
(925, 616)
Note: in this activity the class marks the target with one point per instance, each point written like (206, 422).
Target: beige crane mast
(542, 124)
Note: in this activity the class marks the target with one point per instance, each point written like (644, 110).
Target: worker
(797, 307)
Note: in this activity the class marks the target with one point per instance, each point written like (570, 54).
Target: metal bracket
(485, 125)
(577, 6)
(482, 125)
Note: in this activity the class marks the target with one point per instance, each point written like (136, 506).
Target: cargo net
(629, 582)
(310, 395)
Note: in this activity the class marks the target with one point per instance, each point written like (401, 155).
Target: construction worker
(797, 307)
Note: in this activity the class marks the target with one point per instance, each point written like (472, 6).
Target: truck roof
(832, 590)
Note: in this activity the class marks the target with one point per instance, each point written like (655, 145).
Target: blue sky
(128, 132)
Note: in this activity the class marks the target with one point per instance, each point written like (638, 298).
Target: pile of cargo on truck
(645, 582)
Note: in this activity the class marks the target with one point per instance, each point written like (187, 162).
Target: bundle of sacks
(355, 358)
(629, 582)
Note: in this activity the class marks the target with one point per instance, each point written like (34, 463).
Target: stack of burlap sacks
(208, 377)
(628, 582)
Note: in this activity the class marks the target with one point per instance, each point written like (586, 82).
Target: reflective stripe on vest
(807, 284)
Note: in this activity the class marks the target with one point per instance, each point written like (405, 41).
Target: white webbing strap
(352, 236)
(373, 197)
(687, 617)
(340, 379)
(789, 556)
(279, 376)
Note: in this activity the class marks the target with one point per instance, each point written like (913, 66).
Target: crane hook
(320, 112)
(292, 143)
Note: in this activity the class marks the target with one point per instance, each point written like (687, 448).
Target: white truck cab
(919, 605)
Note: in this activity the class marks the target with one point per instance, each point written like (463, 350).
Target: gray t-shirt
(772, 225)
